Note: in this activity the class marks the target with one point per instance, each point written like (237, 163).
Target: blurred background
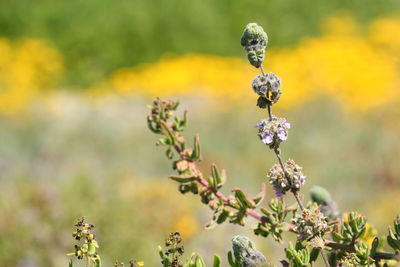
(75, 78)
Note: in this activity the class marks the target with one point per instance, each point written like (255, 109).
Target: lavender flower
(273, 132)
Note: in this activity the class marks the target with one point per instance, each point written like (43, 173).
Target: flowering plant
(322, 231)
(319, 226)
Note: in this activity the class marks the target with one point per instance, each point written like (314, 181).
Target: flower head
(291, 181)
(310, 223)
(273, 132)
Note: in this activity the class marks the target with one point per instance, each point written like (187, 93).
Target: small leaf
(215, 174)
(231, 260)
(167, 131)
(183, 179)
(97, 262)
(70, 263)
(150, 125)
(242, 198)
(314, 254)
(169, 153)
(199, 261)
(217, 261)
(163, 141)
(160, 252)
(392, 240)
(196, 150)
(374, 246)
(211, 182)
(223, 216)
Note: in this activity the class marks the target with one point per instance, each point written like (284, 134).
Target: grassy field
(100, 161)
(75, 78)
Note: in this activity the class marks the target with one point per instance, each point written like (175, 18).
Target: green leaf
(231, 260)
(211, 182)
(199, 261)
(314, 254)
(160, 252)
(97, 262)
(169, 153)
(150, 125)
(392, 240)
(374, 246)
(174, 106)
(163, 141)
(70, 263)
(196, 150)
(217, 261)
(215, 175)
(223, 216)
(242, 198)
(168, 133)
(183, 179)
(397, 225)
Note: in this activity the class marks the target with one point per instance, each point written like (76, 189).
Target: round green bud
(254, 40)
(320, 195)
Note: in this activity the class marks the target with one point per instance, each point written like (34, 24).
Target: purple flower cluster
(291, 181)
(273, 132)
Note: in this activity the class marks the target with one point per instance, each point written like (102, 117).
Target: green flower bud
(254, 40)
(320, 195)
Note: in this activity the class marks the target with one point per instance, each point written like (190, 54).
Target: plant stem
(278, 154)
(269, 112)
(296, 194)
(262, 70)
(224, 199)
